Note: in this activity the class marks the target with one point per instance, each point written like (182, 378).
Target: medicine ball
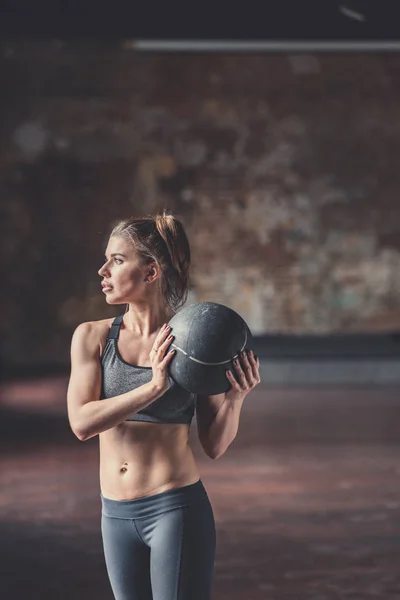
(207, 337)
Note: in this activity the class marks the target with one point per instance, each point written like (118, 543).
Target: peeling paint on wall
(282, 168)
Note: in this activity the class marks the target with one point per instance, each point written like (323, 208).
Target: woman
(157, 521)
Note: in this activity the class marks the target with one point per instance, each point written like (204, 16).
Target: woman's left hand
(247, 370)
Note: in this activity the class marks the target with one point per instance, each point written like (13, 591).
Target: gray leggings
(160, 547)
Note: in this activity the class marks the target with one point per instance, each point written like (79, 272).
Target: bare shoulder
(91, 336)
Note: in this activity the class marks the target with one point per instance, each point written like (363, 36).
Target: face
(123, 274)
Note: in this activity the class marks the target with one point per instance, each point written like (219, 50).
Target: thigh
(182, 554)
(127, 559)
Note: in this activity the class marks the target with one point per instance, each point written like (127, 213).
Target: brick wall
(283, 169)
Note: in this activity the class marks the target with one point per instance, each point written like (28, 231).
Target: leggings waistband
(149, 505)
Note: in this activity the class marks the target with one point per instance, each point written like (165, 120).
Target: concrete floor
(306, 500)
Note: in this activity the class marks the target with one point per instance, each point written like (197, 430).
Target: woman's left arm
(218, 416)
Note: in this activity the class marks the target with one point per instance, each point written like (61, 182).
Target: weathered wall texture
(283, 168)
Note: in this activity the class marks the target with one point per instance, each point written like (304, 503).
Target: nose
(102, 270)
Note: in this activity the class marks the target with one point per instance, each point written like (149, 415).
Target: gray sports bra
(118, 377)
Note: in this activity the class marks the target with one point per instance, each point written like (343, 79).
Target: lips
(106, 286)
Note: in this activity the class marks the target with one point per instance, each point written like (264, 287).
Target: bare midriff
(139, 459)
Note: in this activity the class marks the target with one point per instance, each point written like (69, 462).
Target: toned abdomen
(141, 459)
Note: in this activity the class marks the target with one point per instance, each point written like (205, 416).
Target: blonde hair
(161, 238)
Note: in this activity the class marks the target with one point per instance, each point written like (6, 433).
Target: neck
(146, 320)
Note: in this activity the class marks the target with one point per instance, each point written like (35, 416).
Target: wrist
(154, 390)
(234, 398)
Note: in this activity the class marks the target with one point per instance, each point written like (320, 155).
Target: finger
(254, 363)
(158, 342)
(163, 348)
(165, 329)
(167, 359)
(240, 373)
(257, 368)
(250, 369)
(245, 358)
(247, 368)
(232, 380)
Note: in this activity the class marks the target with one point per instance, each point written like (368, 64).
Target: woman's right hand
(160, 359)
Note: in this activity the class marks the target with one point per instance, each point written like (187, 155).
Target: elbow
(79, 432)
(217, 452)
(214, 454)
(81, 435)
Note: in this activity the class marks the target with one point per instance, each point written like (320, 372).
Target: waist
(140, 508)
(138, 458)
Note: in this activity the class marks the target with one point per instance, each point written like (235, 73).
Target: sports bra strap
(115, 327)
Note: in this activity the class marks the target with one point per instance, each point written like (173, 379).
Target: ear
(152, 272)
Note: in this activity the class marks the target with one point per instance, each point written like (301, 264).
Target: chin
(112, 299)
(116, 301)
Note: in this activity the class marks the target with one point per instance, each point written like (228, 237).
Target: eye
(118, 261)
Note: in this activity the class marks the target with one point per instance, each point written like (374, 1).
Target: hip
(193, 496)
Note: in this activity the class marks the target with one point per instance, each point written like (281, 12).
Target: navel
(124, 468)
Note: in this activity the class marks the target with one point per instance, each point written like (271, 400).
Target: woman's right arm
(88, 415)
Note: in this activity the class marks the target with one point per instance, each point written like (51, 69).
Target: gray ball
(207, 337)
